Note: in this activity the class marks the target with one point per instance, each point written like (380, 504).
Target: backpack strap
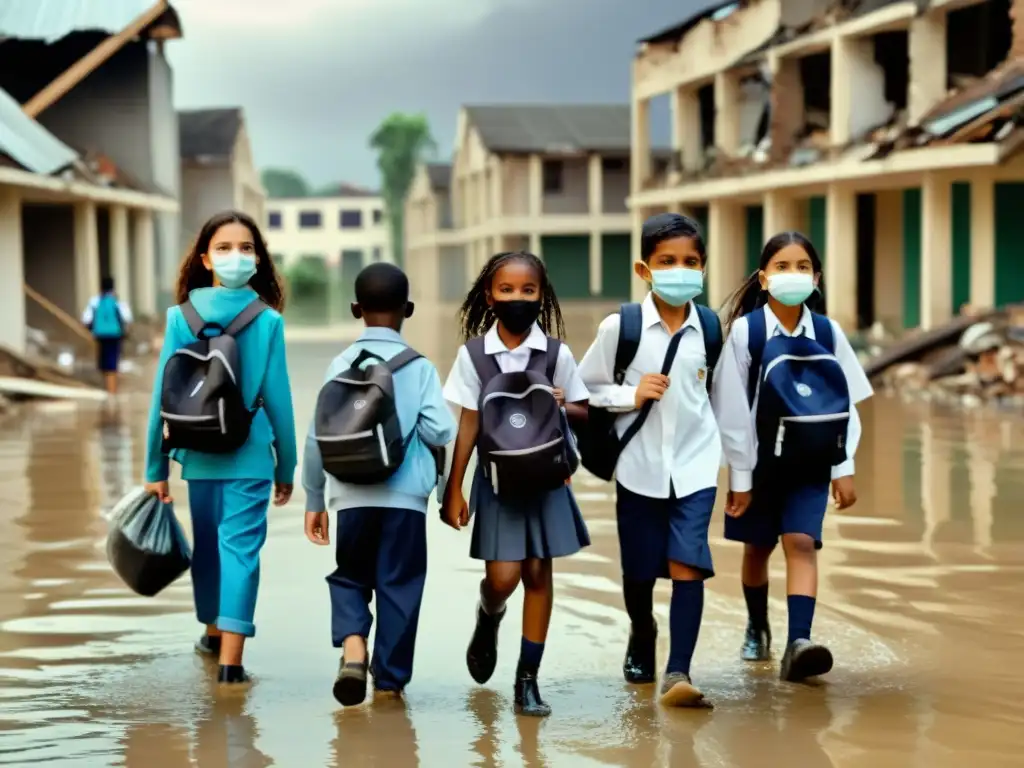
(711, 326)
(242, 320)
(631, 326)
(486, 366)
(402, 359)
(551, 358)
(823, 332)
(638, 422)
(757, 337)
(193, 318)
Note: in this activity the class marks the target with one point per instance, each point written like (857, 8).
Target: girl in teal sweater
(229, 493)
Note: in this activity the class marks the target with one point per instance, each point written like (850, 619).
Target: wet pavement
(920, 601)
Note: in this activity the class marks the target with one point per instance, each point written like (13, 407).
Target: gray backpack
(524, 445)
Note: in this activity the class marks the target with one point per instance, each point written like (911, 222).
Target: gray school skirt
(516, 529)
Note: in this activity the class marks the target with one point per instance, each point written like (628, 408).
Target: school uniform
(780, 504)
(229, 493)
(381, 543)
(107, 317)
(515, 529)
(667, 474)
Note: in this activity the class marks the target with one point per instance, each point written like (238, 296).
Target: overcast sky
(316, 76)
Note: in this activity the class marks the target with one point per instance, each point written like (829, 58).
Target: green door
(911, 258)
(961, 245)
(755, 236)
(1009, 265)
(616, 267)
(567, 258)
(816, 223)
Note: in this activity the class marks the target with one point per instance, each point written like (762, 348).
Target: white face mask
(234, 269)
(791, 288)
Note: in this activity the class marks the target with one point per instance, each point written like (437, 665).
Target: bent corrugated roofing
(52, 20)
(28, 143)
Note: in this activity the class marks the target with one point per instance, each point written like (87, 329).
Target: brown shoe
(678, 691)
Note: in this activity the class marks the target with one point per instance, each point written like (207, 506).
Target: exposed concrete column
(889, 257)
(686, 127)
(595, 186)
(727, 256)
(841, 263)
(535, 245)
(497, 188)
(637, 287)
(12, 257)
(144, 300)
(936, 251)
(780, 213)
(857, 89)
(596, 267)
(120, 260)
(983, 241)
(483, 193)
(727, 112)
(87, 253)
(927, 66)
(786, 118)
(536, 186)
(640, 145)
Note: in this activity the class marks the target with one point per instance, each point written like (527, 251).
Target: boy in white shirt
(667, 473)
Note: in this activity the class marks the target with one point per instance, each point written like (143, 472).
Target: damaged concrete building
(886, 130)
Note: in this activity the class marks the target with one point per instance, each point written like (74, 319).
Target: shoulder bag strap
(551, 358)
(757, 337)
(486, 366)
(823, 332)
(631, 324)
(638, 422)
(402, 359)
(711, 326)
(193, 318)
(242, 320)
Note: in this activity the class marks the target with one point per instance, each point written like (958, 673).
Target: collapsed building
(886, 130)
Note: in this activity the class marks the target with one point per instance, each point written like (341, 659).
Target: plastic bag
(146, 545)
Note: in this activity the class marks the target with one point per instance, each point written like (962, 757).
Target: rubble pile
(984, 364)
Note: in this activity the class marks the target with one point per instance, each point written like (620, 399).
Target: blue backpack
(106, 320)
(803, 399)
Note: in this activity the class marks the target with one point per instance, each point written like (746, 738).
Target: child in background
(381, 545)
(226, 270)
(667, 473)
(777, 324)
(108, 317)
(513, 306)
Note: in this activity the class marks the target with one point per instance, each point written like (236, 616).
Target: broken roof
(52, 20)
(676, 31)
(28, 143)
(552, 128)
(209, 133)
(440, 176)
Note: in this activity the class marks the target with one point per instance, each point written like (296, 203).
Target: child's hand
(162, 490)
(651, 387)
(456, 511)
(318, 525)
(282, 493)
(843, 492)
(737, 502)
(560, 396)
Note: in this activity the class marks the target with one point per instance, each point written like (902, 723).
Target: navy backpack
(803, 399)
(600, 445)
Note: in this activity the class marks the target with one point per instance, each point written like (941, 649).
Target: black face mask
(517, 315)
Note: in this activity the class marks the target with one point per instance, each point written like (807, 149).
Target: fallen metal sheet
(10, 385)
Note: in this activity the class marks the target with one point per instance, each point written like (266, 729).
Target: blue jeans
(229, 527)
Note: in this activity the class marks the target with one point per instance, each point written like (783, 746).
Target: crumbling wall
(1017, 19)
(787, 108)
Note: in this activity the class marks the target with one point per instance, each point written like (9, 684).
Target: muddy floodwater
(922, 603)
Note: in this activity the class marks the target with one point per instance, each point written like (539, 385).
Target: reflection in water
(920, 600)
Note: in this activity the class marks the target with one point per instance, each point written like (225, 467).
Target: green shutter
(567, 258)
(911, 258)
(616, 267)
(1009, 266)
(817, 223)
(755, 236)
(961, 222)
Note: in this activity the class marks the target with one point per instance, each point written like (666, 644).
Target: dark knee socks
(639, 599)
(757, 605)
(801, 616)
(530, 654)
(685, 614)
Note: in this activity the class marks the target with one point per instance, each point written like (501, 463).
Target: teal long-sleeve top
(270, 452)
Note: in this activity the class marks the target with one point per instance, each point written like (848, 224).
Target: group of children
(777, 397)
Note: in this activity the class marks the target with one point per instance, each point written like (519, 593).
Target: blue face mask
(791, 288)
(677, 285)
(234, 270)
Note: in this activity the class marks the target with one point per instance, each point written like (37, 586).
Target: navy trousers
(383, 551)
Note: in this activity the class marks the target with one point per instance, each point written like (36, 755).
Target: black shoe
(757, 645)
(482, 654)
(641, 656)
(527, 695)
(804, 659)
(208, 646)
(350, 685)
(232, 673)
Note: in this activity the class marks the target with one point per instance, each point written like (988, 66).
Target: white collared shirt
(463, 385)
(678, 447)
(737, 419)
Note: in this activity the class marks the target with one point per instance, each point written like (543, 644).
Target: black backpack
(201, 403)
(524, 444)
(356, 423)
(600, 444)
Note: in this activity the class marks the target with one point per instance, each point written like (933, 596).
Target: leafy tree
(282, 182)
(401, 142)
